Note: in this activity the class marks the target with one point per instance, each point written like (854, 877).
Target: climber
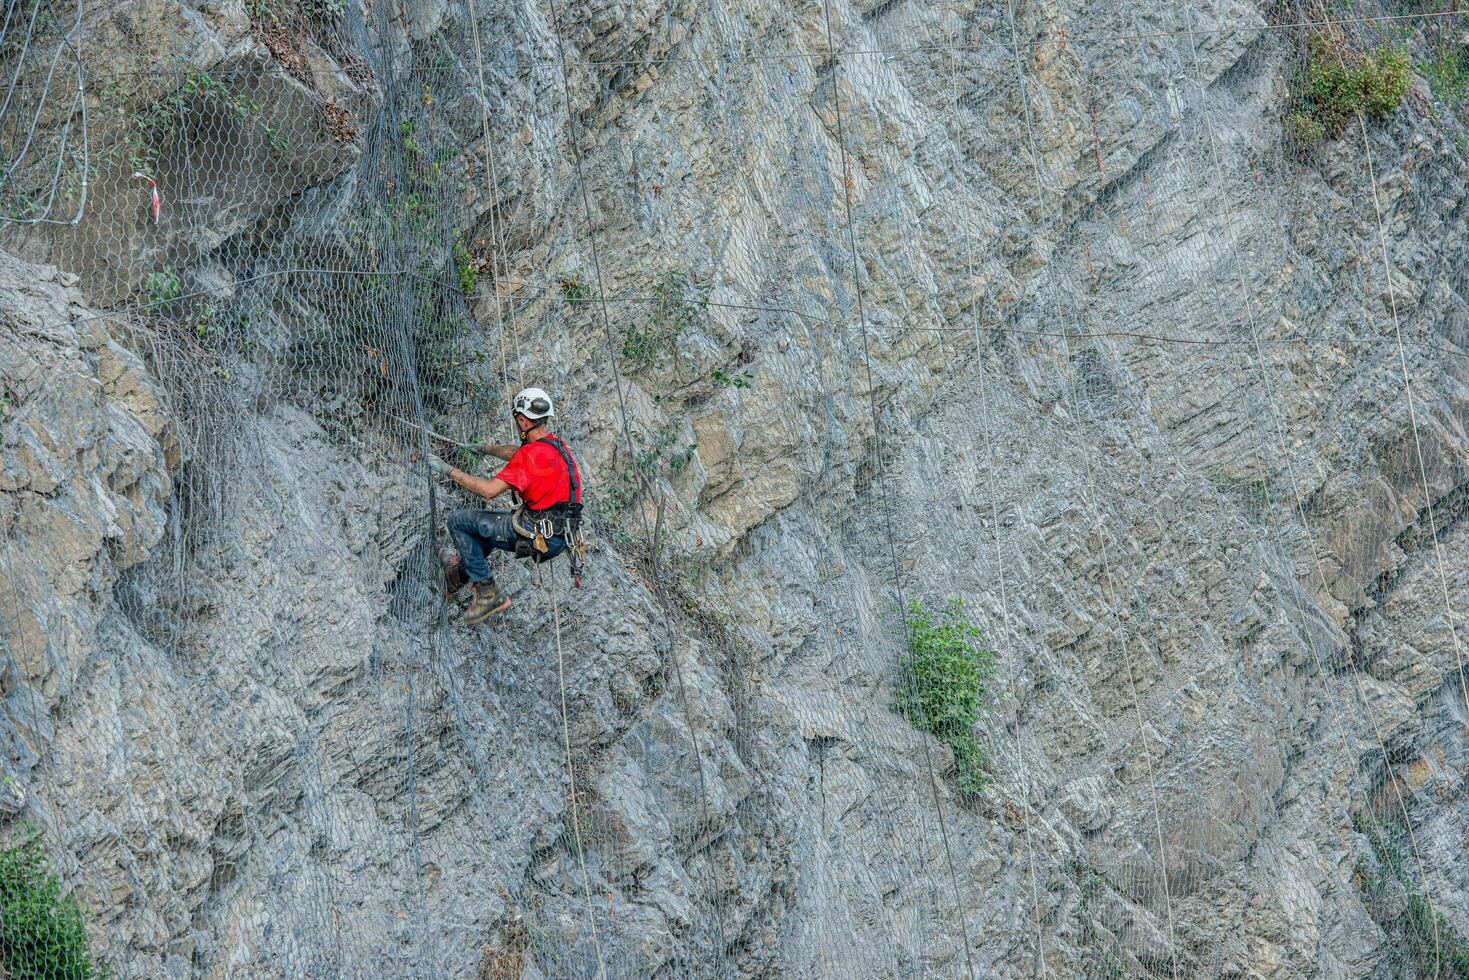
(547, 479)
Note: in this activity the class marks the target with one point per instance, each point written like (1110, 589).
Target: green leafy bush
(721, 380)
(654, 458)
(163, 286)
(152, 125)
(1304, 129)
(42, 935)
(678, 304)
(466, 268)
(574, 290)
(284, 13)
(1448, 76)
(1341, 82)
(942, 685)
(1425, 939)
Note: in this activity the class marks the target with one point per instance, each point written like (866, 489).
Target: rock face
(1029, 307)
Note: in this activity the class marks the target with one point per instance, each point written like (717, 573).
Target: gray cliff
(1175, 406)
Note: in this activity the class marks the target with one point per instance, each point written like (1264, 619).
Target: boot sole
(493, 612)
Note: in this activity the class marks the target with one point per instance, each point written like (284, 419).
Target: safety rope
(1106, 564)
(1432, 521)
(1413, 415)
(846, 187)
(1022, 771)
(497, 241)
(593, 237)
(1122, 642)
(586, 880)
(1284, 451)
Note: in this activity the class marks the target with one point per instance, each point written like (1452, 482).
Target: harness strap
(567, 514)
(573, 485)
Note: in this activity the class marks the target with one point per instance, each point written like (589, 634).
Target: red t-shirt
(538, 474)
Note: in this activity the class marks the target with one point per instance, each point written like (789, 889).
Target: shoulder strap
(573, 484)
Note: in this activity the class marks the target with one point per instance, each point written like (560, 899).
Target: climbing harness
(537, 527)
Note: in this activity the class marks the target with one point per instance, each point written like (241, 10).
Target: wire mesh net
(304, 241)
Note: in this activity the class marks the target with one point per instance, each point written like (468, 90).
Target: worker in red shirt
(542, 471)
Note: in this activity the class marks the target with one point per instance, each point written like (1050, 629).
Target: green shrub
(942, 685)
(42, 935)
(466, 268)
(1340, 83)
(574, 290)
(654, 458)
(678, 305)
(163, 286)
(285, 13)
(1425, 939)
(152, 125)
(1447, 76)
(721, 380)
(1303, 129)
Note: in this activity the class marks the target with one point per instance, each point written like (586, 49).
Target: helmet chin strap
(525, 433)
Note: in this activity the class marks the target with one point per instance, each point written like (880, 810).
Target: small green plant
(467, 460)
(1303, 129)
(1341, 82)
(149, 127)
(5, 409)
(42, 933)
(654, 458)
(1425, 939)
(284, 13)
(411, 145)
(573, 290)
(678, 305)
(163, 286)
(1447, 76)
(221, 329)
(942, 685)
(465, 267)
(721, 380)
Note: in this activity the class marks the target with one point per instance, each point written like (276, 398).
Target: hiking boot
(488, 600)
(454, 580)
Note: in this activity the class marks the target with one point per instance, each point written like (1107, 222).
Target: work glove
(439, 467)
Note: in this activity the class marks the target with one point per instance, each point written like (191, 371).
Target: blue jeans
(477, 532)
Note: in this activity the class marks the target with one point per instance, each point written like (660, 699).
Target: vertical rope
(581, 860)
(881, 464)
(593, 238)
(1021, 771)
(1284, 449)
(1106, 560)
(499, 252)
(586, 201)
(1427, 503)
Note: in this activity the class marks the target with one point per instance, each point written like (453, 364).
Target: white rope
(1427, 503)
(1022, 772)
(1097, 521)
(497, 241)
(581, 860)
(1392, 298)
(1281, 433)
(846, 189)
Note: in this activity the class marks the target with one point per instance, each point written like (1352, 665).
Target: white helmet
(533, 403)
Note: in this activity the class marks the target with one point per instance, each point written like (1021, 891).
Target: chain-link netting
(291, 241)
